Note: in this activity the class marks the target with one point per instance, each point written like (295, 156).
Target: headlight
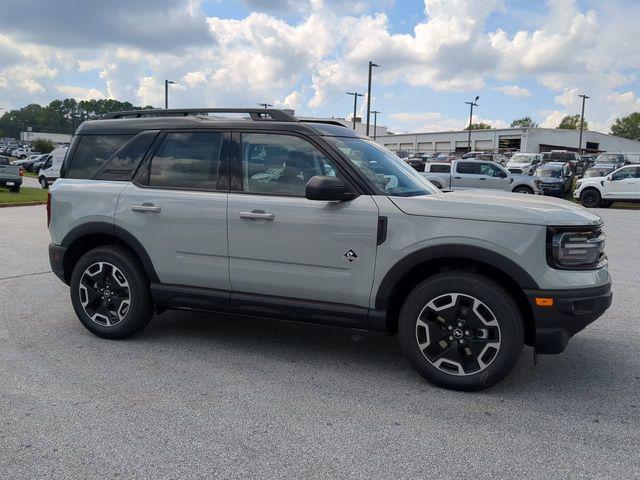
(576, 248)
(538, 183)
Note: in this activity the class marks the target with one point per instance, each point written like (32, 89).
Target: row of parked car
(9, 148)
(601, 180)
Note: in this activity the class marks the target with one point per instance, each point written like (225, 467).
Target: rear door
(465, 175)
(282, 245)
(177, 208)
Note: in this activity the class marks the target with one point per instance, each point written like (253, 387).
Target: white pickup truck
(469, 174)
(10, 175)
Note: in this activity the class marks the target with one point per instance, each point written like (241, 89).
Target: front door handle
(482, 178)
(257, 215)
(458, 178)
(146, 208)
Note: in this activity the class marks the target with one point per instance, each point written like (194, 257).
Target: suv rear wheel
(110, 293)
(461, 331)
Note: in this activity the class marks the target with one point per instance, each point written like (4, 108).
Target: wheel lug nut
(460, 324)
(450, 327)
(462, 342)
(467, 333)
(451, 339)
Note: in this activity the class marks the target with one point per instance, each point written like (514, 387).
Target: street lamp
(166, 93)
(584, 99)
(265, 105)
(471, 105)
(371, 65)
(355, 106)
(375, 122)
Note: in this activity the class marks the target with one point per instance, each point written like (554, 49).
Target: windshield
(563, 157)
(597, 172)
(549, 172)
(522, 159)
(387, 173)
(607, 157)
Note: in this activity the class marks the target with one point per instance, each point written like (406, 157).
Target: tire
(590, 198)
(43, 183)
(115, 273)
(15, 189)
(606, 203)
(487, 344)
(523, 189)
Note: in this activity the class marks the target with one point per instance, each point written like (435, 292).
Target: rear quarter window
(91, 152)
(440, 168)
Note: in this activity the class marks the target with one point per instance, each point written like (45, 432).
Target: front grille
(515, 170)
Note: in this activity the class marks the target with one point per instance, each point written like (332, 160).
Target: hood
(592, 179)
(497, 206)
(518, 164)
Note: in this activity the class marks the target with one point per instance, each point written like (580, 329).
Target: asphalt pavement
(206, 396)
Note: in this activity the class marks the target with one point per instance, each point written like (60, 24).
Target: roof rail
(256, 114)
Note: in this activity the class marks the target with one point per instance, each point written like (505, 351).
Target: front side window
(280, 164)
(491, 170)
(92, 152)
(625, 173)
(189, 160)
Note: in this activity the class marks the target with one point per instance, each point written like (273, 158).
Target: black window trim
(141, 177)
(236, 161)
(70, 154)
(100, 171)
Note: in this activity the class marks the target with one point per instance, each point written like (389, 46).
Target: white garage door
(483, 145)
(425, 146)
(443, 146)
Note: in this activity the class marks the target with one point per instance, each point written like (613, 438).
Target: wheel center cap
(457, 333)
(107, 293)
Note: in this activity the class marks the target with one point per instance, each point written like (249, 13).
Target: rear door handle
(458, 178)
(257, 215)
(145, 208)
(482, 178)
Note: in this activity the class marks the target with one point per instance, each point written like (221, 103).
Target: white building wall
(54, 137)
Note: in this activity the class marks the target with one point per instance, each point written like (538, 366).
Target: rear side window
(92, 152)
(123, 163)
(440, 168)
(471, 168)
(189, 160)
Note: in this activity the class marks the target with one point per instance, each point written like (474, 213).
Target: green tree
(524, 122)
(627, 127)
(42, 145)
(572, 122)
(478, 126)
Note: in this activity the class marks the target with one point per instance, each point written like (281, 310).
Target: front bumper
(56, 259)
(571, 312)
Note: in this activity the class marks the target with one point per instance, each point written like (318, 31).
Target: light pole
(375, 122)
(471, 105)
(166, 93)
(265, 105)
(371, 65)
(584, 99)
(355, 106)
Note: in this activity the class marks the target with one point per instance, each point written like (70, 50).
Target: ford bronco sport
(270, 216)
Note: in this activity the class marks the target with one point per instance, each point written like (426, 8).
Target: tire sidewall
(523, 190)
(586, 194)
(494, 297)
(140, 309)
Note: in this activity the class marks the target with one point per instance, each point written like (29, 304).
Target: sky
(521, 57)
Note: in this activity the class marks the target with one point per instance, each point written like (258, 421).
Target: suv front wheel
(461, 331)
(110, 293)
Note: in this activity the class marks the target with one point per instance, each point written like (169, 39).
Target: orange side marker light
(544, 302)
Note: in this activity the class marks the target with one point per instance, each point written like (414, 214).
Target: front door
(177, 209)
(623, 183)
(492, 176)
(465, 175)
(284, 245)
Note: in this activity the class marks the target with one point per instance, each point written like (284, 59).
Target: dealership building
(530, 140)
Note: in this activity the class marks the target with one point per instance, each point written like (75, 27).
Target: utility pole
(375, 122)
(166, 93)
(471, 105)
(265, 105)
(371, 65)
(584, 99)
(355, 106)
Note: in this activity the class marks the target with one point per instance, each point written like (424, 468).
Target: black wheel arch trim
(454, 251)
(120, 234)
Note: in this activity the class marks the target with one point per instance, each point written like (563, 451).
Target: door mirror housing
(327, 189)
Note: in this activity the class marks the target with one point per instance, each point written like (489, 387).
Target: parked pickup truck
(10, 175)
(468, 174)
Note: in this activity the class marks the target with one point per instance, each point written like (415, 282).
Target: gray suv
(269, 216)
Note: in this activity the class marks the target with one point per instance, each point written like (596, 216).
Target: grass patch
(27, 195)
(30, 174)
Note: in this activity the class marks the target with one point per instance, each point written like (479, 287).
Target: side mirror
(609, 178)
(327, 189)
(502, 174)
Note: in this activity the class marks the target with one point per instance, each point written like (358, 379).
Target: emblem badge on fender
(350, 256)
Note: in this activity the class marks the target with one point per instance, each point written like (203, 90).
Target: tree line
(60, 116)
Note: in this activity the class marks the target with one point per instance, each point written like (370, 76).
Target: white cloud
(436, 122)
(514, 91)
(80, 93)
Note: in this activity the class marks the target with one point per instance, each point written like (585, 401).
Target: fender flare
(120, 234)
(457, 251)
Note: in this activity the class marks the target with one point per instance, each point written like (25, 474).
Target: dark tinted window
(189, 160)
(472, 168)
(4, 161)
(440, 168)
(124, 162)
(563, 157)
(91, 153)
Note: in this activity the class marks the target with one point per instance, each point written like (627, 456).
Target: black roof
(135, 121)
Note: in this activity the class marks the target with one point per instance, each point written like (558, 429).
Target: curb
(21, 204)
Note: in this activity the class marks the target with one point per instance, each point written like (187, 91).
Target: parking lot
(198, 395)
